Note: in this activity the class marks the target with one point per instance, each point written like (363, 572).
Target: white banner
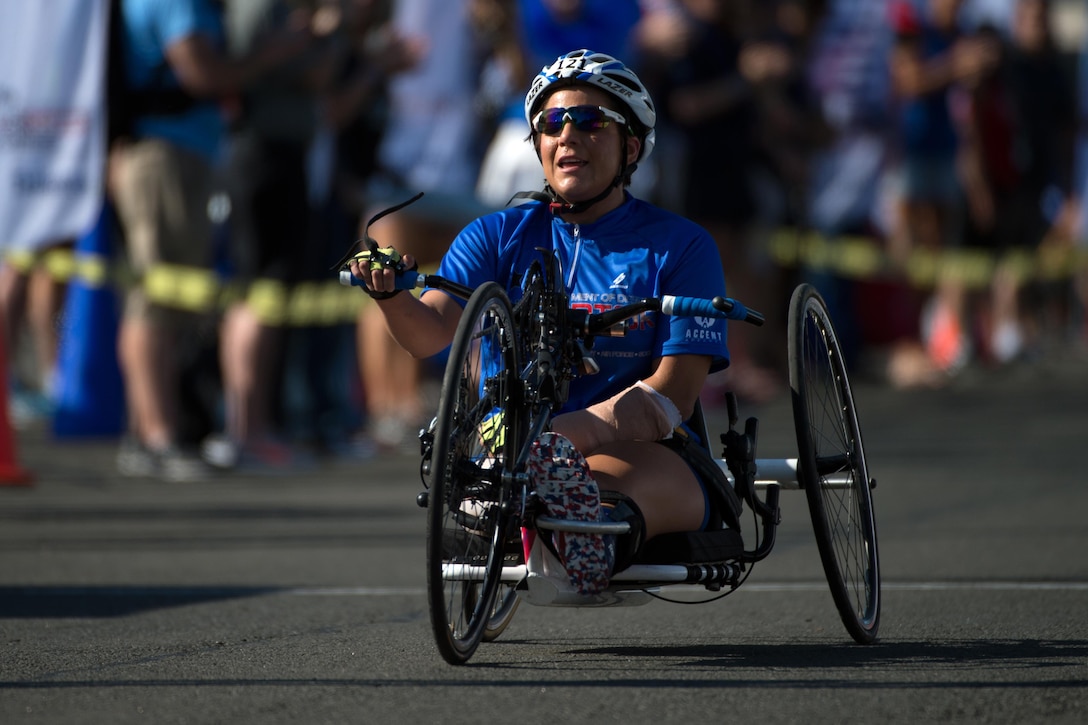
(52, 119)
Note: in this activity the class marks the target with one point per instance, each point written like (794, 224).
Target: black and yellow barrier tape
(863, 258)
(320, 303)
(203, 291)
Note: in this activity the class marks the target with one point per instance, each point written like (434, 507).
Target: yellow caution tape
(189, 289)
(865, 258)
(329, 303)
(92, 269)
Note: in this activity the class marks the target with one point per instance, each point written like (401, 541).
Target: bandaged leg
(563, 482)
(637, 413)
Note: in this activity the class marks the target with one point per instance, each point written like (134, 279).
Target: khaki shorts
(161, 193)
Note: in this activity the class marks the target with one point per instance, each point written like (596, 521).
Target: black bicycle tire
(823, 398)
(502, 612)
(456, 636)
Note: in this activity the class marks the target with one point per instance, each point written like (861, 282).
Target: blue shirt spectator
(150, 27)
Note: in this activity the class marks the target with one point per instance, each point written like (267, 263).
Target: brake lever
(369, 241)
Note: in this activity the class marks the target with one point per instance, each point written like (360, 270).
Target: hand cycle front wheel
(831, 464)
(469, 515)
(502, 611)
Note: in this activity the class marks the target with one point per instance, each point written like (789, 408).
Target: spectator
(1069, 237)
(162, 167)
(848, 73)
(353, 107)
(787, 127)
(431, 144)
(1017, 124)
(341, 162)
(266, 174)
(789, 122)
(709, 108)
(1075, 217)
(930, 58)
(32, 299)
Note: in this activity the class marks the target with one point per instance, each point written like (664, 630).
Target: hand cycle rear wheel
(831, 465)
(469, 516)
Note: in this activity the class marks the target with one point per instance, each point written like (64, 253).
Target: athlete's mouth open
(570, 162)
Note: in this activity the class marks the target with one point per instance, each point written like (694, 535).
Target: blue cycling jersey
(635, 251)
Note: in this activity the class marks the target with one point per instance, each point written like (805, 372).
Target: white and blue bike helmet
(610, 75)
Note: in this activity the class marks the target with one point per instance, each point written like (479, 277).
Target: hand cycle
(508, 372)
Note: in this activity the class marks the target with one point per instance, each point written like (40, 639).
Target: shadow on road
(912, 657)
(65, 602)
(986, 664)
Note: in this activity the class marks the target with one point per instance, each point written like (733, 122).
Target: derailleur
(426, 449)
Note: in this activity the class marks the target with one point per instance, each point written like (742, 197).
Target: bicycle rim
(832, 465)
(467, 520)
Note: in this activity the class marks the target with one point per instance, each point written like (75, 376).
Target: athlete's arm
(424, 325)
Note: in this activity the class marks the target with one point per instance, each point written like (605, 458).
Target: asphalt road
(300, 599)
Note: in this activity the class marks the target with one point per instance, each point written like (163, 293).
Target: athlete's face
(579, 164)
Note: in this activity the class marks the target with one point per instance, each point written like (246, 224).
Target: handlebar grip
(737, 311)
(724, 307)
(408, 279)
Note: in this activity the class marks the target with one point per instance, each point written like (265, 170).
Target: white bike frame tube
(782, 472)
(648, 574)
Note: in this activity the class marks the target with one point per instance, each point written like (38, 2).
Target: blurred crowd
(925, 127)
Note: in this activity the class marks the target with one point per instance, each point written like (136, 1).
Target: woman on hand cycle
(611, 452)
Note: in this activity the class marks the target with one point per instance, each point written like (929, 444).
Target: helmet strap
(558, 205)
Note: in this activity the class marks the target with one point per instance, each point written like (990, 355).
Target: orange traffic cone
(11, 473)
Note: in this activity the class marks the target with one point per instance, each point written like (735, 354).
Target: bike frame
(558, 347)
(544, 344)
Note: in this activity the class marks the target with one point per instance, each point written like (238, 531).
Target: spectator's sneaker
(266, 457)
(1007, 342)
(135, 460)
(220, 451)
(393, 434)
(170, 464)
(177, 466)
(563, 482)
(354, 448)
(269, 458)
(28, 408)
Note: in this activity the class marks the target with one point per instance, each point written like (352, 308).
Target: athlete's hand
(379, 270)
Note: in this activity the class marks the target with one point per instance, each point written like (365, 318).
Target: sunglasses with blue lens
(550, 121)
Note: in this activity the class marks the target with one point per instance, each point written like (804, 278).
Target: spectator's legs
(753, 374)
(31, 301)
(269, 230)
(391, 377)
(45, 303)
(147, 361)
(247, 346)
(14, 283)
(161, 195)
